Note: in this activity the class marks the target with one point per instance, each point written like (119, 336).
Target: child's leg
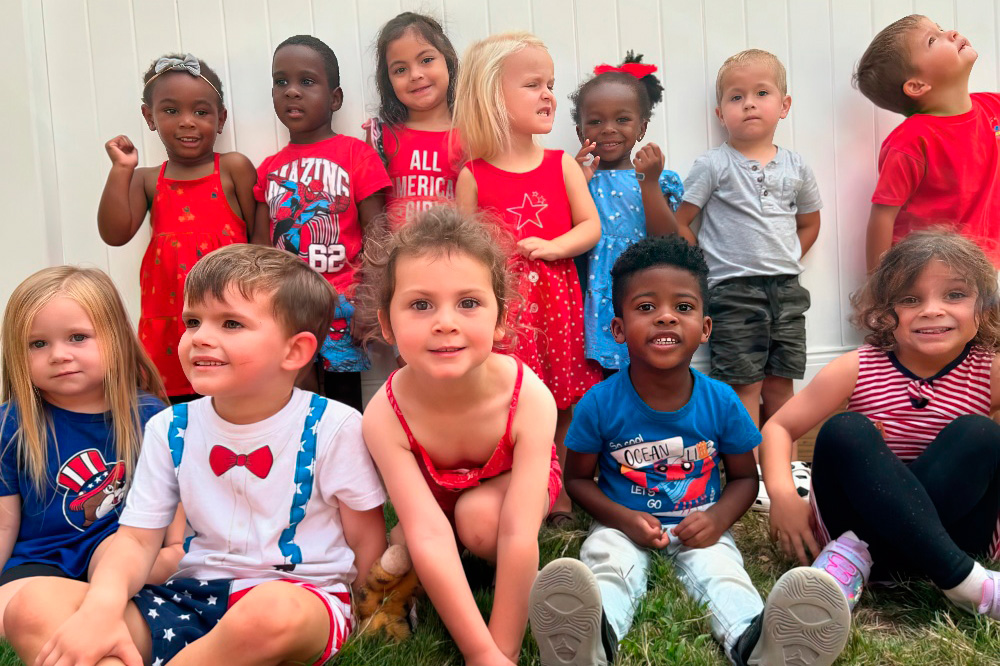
(620, 568)
(715, 576)
(274, 623)
(860, 485)
(749, 395)
(39, 609)
(774, 392)
(563, 508)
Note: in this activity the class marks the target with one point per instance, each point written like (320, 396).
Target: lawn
(907, 625)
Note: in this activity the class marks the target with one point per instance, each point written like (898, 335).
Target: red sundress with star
(190, 218)
(547, 321)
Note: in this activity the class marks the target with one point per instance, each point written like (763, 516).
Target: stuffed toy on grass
(385, 600)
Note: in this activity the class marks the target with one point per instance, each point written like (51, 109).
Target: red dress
(547, 320)
(190, 218)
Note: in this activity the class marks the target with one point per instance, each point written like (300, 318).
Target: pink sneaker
(990, 603)
(846, 558)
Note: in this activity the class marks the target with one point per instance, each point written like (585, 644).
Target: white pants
(713, 576)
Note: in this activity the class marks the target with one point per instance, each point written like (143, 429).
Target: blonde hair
(127, 367)
(875, 303)
(480, 110)
(752, 57)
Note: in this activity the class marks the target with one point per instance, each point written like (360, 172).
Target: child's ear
(383, 322)
(223, 115)
(618, 329)
(579, 134)
(786, 105)
(147, 114)
(336, 99)
(299, 351)
(706, 329)
(718, 114)
(499, 332)
(642, 130)
(914, 88)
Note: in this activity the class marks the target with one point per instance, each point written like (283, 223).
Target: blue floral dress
(623, 222)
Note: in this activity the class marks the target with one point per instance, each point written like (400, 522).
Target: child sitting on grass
(281, 496)
(657, 431)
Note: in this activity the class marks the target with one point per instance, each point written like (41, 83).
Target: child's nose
(666, 316)
(59, 353)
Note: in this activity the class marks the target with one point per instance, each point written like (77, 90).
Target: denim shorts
(758, 328)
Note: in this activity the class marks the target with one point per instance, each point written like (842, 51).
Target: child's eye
(957, 295)
(191, 322)
(428, 59)
(420, 306)
(735, 98)
(685, 307)
(468, 303)
(624, 119)
(931, 41)
(170, 111)
(907, 300)
(762, 93)
(231, 324)
(201, 112)
(280, 82)
(551, 87)
(77, 337)
(594, 121)
(399, 70)
(308, 82)
(36, 344)
(645, 307)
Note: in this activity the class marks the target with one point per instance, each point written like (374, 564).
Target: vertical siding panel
(639, 31)
(203, 33)
(977, 20)
(338, 27)
(597, 36)
(249, 46)
(552, 20)
(689, 82)
(884, 12)
(507, 15)
(155, 28)
(725, 34)
(767, 28)
(467, 22)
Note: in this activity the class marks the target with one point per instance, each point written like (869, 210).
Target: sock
(970, 590)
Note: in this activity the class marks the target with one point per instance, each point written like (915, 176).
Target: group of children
(246, 517)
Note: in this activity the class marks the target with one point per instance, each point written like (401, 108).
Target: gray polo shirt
(748, 211)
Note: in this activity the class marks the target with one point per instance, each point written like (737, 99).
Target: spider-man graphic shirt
(662, 463)
(312, 192)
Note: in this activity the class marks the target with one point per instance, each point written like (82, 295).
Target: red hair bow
(636, 69)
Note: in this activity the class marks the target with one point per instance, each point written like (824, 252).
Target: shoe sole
(565, 615)
(806, 621)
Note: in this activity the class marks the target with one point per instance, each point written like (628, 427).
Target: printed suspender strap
(305, 464)
(175, 442)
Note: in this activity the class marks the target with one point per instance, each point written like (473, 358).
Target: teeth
(208, 363)
(665, 341)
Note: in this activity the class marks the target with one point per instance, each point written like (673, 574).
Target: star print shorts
(185, 609)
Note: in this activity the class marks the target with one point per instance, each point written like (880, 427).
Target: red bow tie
(259, 462)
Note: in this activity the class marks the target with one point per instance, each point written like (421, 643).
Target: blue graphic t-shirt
(663, 463)
(82, 497)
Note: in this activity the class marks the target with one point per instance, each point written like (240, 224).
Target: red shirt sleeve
(899, 175)
(369, 173)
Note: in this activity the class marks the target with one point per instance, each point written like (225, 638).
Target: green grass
(907, 625)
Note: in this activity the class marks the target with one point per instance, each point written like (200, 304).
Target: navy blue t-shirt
(82, 497)
(662, 463)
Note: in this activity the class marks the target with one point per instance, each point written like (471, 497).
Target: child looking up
(759, 208)
(504, 99)
(461, 435)
(78, 389)
(634, 197)
(657, 432)
(416, 73)
(282, 499)
(941, 166)
(913, 466)
(198, 200)
(317, 196)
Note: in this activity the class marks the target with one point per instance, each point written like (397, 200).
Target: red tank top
(533, 203)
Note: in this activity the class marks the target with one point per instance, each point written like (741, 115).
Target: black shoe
(608, 638)
(747, 641)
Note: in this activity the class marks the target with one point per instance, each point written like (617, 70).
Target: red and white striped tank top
(910, 411)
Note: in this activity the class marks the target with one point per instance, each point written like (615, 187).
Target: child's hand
(645, 530)
(122, 152)
(581, 157)
(87, 639)
(534, 247)
(649, 161)
(699, 530)
(791, 525)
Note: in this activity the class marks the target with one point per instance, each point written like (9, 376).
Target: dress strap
(514, 397)
(163, 170)
(399, 413)
(217, 159)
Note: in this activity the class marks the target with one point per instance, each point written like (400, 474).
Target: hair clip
(636, 69)
(187, 64)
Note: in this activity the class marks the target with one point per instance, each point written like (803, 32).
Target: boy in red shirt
(941, 166)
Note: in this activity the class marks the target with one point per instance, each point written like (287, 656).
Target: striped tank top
(910, 411)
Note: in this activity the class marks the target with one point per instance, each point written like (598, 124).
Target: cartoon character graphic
(93, 488)
(682, 473)
(302, 204)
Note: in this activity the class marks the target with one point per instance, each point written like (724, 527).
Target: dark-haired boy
(657, 431)
(940, 166)
(318, 194)
(282, 497)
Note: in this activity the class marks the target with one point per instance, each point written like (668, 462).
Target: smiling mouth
(666, 340)
(417, 91)
(67, 374)
(937, 330)
(208, 364)
(608, 145)
(190, 140)
(545, 112)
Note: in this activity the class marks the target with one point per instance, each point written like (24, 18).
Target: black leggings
(923, 518)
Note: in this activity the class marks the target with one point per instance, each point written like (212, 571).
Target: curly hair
(439, 231)
(648, 89)
(655, 251)
(874, 304)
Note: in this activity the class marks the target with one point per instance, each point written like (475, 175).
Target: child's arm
(365, 534)
(642, 528)
(586, 229)
(369, 209)
(524, 506)
(429, 536)
(879, 237)
(123, 203)
(582, 155)
(790, 515)
(238, 167)
(703, 528)
(660, 220)
(261, 234)
(685, 216)
(98, 628)
(466, 192)
(10, 524)
(807, 229)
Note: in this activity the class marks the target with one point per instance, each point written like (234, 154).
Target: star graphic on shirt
(202, 583)
(168, 635)
(176, 599)
(186, 616)
(152, 613)
(158, 601)
(528, 212)
(315, 427)
(211, 600)
(298, 488)
(180, 432)
(310, 466)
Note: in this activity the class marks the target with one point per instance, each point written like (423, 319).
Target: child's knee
(270, 619)
(841, 434)
(38, 608)
(477, 528)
